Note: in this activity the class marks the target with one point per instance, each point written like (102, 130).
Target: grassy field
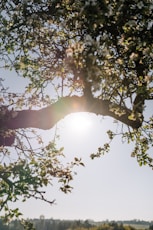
(139, 226)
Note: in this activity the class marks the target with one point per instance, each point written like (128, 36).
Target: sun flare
(79, 122)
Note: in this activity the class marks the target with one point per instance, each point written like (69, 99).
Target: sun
(79, 122)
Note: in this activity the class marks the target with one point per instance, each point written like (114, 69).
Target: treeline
(51, 224)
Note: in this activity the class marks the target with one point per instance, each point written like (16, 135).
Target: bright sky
(112, 187)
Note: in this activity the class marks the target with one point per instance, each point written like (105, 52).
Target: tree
(97, 56)
(151, 227)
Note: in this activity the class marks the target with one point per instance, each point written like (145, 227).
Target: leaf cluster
(27, 176)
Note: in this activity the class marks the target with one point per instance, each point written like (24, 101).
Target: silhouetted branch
(47, 117)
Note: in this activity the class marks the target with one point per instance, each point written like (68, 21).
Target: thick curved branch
(47, 117)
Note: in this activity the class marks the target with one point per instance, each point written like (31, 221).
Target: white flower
(140, 5)
(69, 52)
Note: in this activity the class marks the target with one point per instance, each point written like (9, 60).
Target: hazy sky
(112, 187)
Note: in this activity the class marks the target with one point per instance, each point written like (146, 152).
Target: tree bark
(46, 118)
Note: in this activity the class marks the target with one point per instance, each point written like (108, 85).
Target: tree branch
(47, 117)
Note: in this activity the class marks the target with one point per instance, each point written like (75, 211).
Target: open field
(138, 226)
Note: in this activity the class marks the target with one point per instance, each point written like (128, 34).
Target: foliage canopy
(97, 56)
